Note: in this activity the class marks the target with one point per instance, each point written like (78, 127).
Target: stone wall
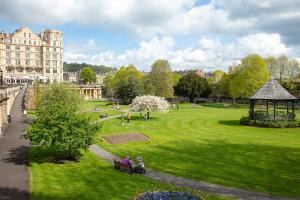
(7, 98)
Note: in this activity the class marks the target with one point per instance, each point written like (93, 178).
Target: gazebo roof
(272, 90)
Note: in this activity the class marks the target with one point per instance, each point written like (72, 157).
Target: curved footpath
(14, 178)
(185, 182)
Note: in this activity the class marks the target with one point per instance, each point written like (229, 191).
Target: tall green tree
(192, 86)
(37, 93)
(59, 123)
(128, 89)
(88, 75)
(215, 83)
(248, 77)
(125, 84)
(161, 77)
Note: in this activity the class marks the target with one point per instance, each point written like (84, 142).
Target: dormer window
(24, 34)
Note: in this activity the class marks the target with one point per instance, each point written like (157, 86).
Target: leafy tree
(59, 123)
(37, 93)
(128, 89)
(248, 77)
(282, 64)
(88, 75)
(215, 83)
(272, 66)
(125, 84)
(109, 85)
(192, 86)
(176, 77)
(148, 103)
(161, 77)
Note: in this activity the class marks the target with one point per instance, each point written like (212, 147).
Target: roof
(272, 90)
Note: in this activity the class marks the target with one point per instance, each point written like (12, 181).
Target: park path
(14, 177)
(185, 182)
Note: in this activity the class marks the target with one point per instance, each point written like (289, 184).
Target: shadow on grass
(264, 168)
(90, 179)
(8, 193)
(230, 122)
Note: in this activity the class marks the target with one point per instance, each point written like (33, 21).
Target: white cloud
(207, 53)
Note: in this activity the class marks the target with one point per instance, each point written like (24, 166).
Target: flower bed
(167, 196)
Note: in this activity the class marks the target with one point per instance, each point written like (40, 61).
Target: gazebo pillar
(293, 107)
(267, 108)
(274, 104)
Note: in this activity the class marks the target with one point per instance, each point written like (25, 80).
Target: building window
(54, 63)
(8, 54)
(37, 55)
(54, 70)
(29, 35)
(18, 62)
(54, 56)
(47, 62)
(27, 62)
(37, 63)
(34, 42)
(47, 49)
(17, 47)
(27, 48)
(47, 56)
(48, 70)
(17, 54)
(37, 48)
(24, 41)
(24, 34)
(8, 61)
(7, 46)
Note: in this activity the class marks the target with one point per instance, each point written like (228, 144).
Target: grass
(89, 179)
(103, 108)
(209, 144)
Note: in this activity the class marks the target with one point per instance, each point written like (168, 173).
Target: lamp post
(1, 77)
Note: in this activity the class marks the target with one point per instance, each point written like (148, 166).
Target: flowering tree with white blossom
(148, 103)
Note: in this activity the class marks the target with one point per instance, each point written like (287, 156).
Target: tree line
(76, 67)
(240, 81)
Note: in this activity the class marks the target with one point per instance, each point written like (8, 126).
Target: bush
(270, 123)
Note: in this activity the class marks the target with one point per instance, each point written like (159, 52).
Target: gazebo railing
(279, 115)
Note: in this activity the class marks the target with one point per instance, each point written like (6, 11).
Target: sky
(190, 34)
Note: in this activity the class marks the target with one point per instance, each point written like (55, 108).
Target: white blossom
(148, 103)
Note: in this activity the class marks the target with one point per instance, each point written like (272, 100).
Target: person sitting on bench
(127, 161)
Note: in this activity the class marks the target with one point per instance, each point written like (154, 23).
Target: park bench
(123, 166)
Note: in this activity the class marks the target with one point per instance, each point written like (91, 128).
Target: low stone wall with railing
(7, 98)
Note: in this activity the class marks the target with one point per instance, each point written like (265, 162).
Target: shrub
(270, 123)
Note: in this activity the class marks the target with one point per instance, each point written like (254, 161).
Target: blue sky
(189, 33)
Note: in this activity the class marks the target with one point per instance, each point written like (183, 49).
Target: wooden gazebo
(272, 94)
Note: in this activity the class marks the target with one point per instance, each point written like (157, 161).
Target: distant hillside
(75, 67)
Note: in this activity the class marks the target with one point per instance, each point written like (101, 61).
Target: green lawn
(209, 144)
(103, 108)
(89, 179)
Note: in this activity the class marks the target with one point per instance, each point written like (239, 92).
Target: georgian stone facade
(26, 56)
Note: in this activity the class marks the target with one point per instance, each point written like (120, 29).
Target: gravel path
(185, 182)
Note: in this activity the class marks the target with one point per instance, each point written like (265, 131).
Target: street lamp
(1, 77)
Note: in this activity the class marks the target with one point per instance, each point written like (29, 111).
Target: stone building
(26, 56)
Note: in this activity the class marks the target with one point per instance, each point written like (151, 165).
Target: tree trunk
(70, 152)
(148, 115)
(191, 99)
(233, 101)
